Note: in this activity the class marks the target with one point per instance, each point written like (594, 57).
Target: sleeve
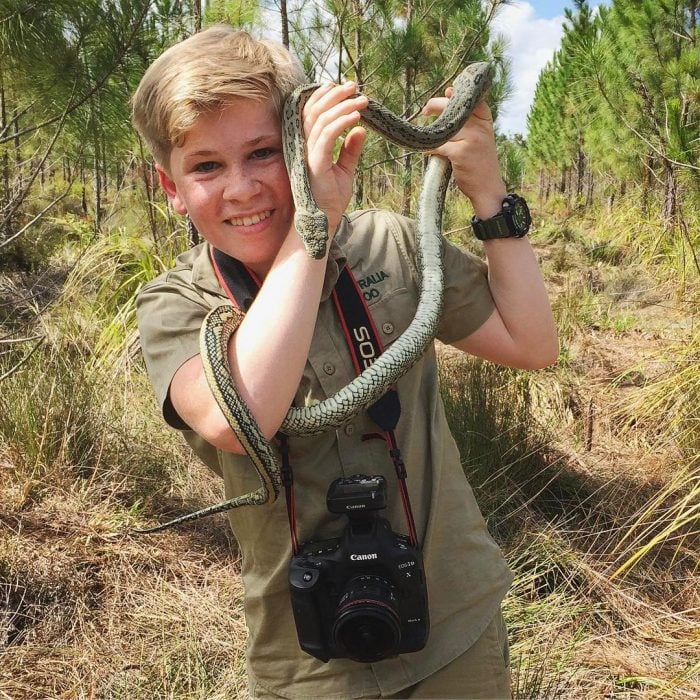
(467, 301)
(170, 316)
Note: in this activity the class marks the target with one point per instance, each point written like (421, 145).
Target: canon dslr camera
(362, 595)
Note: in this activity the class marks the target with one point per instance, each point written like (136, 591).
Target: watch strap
(495, 227)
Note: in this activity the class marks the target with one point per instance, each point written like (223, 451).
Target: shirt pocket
(392, 314)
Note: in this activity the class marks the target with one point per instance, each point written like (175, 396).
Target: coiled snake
(312, 226)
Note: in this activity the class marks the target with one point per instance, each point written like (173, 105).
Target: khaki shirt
(467, 576)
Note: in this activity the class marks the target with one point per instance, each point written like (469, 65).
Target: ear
(168, 185)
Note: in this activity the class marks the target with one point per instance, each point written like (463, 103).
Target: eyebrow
(205, 152)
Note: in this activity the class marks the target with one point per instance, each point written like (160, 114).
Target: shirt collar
(203, 275)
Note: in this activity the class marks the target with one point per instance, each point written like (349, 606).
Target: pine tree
(72, 104)
(561, 112)
(399, 53)
(648, 73)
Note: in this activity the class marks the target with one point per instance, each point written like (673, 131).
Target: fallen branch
(12, 370)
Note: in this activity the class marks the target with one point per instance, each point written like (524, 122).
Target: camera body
(362, 595)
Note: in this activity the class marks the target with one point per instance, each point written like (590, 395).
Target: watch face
(521, 216)
(513, 221)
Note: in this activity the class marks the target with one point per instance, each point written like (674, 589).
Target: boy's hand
(472, 152)
(328, 113)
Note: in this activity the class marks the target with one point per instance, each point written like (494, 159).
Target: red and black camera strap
(241, 285)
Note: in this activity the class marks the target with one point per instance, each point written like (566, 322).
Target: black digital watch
(513, 221)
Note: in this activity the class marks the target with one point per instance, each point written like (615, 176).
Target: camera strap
(241, 285)
(366, 346)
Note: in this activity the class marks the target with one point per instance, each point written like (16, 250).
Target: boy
(209, 109)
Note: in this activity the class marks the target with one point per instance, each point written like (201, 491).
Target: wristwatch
(513, 221)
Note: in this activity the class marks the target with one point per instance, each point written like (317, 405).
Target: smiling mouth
(250, 220)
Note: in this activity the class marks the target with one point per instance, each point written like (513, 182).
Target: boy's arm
(268, 352)
(520, 332)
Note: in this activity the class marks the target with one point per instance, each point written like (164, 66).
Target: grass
(587, 474)
(569, 534)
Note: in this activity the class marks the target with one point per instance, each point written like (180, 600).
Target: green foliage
(32, 253)
(71, 111)
(108, 277)
(238, 13)
(619, 102)
(61, 421)
(36, 249)
(47, 411)
(511, 157)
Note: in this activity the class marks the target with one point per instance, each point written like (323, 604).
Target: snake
(311, 223)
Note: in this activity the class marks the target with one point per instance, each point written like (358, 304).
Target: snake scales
(312, 225)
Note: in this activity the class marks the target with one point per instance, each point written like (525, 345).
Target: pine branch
(95, 88)
(16, 367)
(19, 198)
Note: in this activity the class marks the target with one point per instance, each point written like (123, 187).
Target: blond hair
(204, 73)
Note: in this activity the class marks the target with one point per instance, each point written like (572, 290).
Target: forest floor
(590, 493)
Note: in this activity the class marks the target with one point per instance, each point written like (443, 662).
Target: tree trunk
(105, 164)
(18, 183)
(590, 187)
(409, 78)
(540, 193)
(285, 23)
(358, 20)
(611, 201)
(148, 187)
(580, 171)
(97, 184)
(83, 198)
(670, 207)
(407, 174)
(197, 12)
(5, 195)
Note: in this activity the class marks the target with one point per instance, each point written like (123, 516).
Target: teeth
(248, 220)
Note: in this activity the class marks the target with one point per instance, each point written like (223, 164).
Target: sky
(533, 29)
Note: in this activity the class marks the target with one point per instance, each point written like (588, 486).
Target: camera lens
(367, 626)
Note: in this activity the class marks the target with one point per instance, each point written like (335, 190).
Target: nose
(240, 185)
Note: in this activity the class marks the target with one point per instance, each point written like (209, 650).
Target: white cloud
(531, 43)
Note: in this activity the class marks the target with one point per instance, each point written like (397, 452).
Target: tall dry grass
(88, 609)
(577, 630)
(584, 472)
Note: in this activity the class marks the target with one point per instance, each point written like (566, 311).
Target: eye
(261, 153)
(206, 167)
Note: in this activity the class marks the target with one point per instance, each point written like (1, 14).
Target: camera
(362, 595)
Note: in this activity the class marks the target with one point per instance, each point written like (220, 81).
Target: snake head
(477, 78)
(312, 226)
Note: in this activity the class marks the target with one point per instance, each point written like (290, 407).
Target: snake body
(469, 87)
(312, 225)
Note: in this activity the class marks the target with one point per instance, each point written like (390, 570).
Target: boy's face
(229, 176)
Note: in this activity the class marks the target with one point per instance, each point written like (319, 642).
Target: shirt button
(388, 327)
(329, 368)
(349, 429)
